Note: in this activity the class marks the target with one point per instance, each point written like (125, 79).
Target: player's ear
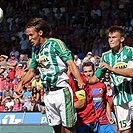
(40, 32)
(122, 39)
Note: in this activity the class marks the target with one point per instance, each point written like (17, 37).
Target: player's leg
(123, 118)
(53, 115)
(58, 129)
(69, 130)
(67, 111)
(106, 128)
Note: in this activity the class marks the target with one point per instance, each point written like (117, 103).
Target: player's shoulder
(55, 40)
(107, 52)
(101, 84)
(128, 48)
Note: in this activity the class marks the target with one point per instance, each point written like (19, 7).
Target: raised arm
(76, 73)
(29, 75)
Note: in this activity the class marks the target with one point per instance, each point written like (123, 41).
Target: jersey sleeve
(100, 71)
(62, 50)
(130, 63)
(33, 62)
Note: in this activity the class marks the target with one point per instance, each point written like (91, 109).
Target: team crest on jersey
(100, 90)
(120, 65)
(43, 61)
(124, 57)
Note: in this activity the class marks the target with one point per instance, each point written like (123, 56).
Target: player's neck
(118, 49)
(42, 41)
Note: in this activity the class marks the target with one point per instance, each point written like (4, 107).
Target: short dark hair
(116, 28)
(39, 24)
(85, 64)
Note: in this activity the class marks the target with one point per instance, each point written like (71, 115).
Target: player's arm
(123, 72)
(108, 110)
(66, 56)
(128, 72)
(29, 75)
(76, 73)
(81, 102)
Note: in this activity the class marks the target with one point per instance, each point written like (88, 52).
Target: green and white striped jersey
(122, 89)
(50, 58)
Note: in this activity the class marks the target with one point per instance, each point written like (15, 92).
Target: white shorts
(60, 107)
(123, 115)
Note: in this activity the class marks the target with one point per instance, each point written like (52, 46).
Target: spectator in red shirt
(8, 82)
(1, 85)
(19, 70)
(2, 107)
(11, 73)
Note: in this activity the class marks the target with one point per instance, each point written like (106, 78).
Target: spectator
(9, 103)
(16, 80)
(35, 94)
(24, 45)
(28, 103)
(90, 57)
(19, 71)
(9, 8)
(12, 61)
(2, 82)
(8, 82)
(127, 29)
(6, 109)
(2, 106)
(14, 51)
(103, 32)
(95, 10)
(11, 73)
(23, 60)
(17, 105)
(109, 90)
(42, 96)
(97, 49)
(28, 92)
(104, 3)
(35, 106)
(106, 79)
(3, 60)
(116, 20)
(36, 82)
(105, 16)
(7, 92)
(77, 61)
(3, 71)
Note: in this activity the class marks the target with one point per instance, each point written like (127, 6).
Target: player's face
(88, 72)
(33, 35)
(115, 40)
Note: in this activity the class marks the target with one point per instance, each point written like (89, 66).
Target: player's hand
(111, 120)
(104, 65)
(81, 84)
(19, 88)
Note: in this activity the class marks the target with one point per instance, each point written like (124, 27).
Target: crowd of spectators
(31, 98)
(82, 25)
